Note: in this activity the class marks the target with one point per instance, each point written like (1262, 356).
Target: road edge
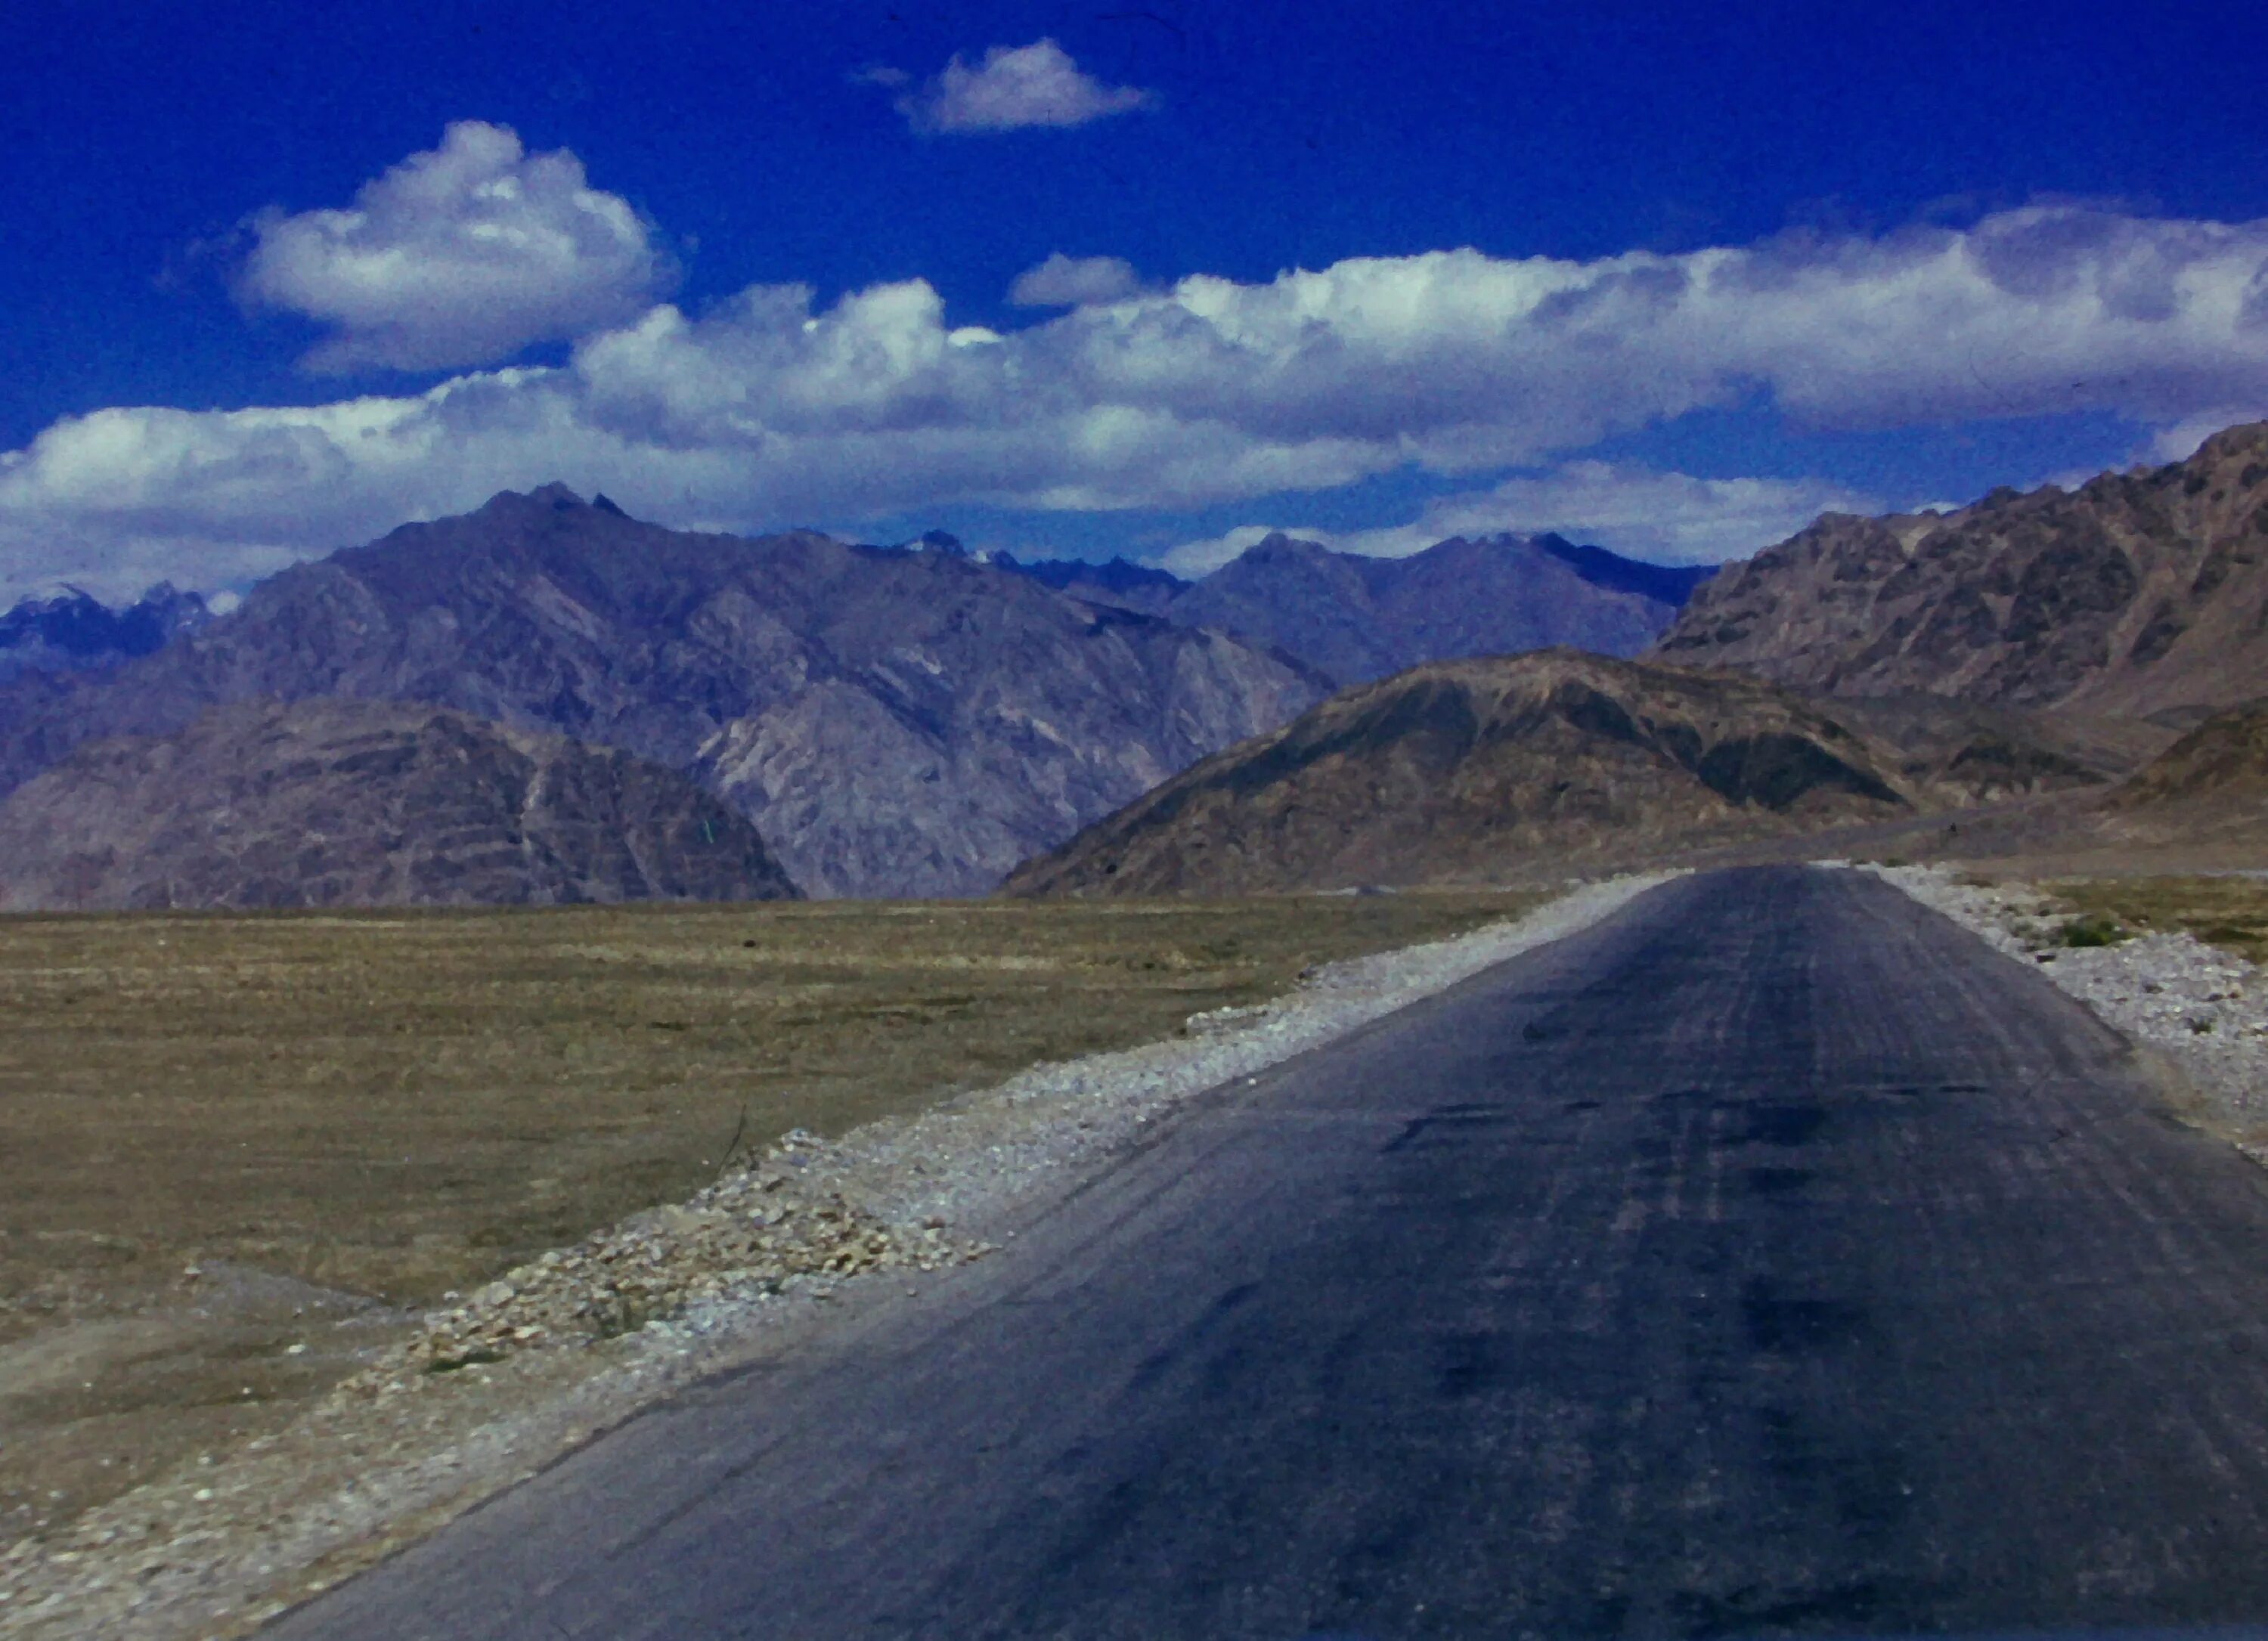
(395, 1453)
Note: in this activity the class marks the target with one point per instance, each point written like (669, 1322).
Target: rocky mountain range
(914, 720)
(895, 723)
(2008, 677)
(1111, 581)
(1486, 770)
(329, 802)
(1355, 618)
(2139, 594)
(74, 630)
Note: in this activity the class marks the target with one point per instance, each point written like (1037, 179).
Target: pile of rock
(753, 1230)
(2169, 985)
(1230, 1016)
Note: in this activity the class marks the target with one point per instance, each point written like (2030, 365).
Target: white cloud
(774, 408)
(462, 255)
(1668, 518)
(1014, 87)
(2180, 441)
(1469, 362)
(1075, 282)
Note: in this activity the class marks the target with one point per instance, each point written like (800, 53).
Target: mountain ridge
(893, 723)
(1356, 617)
(327, 802)
(2138, 592)
(74, 630)
(1488, 769)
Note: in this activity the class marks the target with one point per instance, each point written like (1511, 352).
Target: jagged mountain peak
(1356, 617)
(554, 497)
(73, 631)
(1280, 544)
(895, 723)
(2138, 592)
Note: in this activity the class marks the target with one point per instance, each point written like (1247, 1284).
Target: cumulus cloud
(1012, 88)
(462, 255)
(778, 406)
(1075, 282)
(1642, 512)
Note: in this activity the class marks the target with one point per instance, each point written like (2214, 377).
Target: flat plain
(1770, 1257)
(237, 1152)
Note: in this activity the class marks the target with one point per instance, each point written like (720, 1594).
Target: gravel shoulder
(2198, 1012)
(498, 1384)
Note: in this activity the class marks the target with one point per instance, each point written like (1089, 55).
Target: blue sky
(1672, 277)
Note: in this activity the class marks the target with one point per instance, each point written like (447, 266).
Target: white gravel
(535, 1362)
(2204, 1009)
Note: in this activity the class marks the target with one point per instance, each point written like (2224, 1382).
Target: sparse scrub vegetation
(2229, 911)
(2092, 929)
(402, 1104)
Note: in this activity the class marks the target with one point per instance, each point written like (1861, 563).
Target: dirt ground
(238, 1153)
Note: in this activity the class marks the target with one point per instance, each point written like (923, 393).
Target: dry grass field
(317, 1112)
(2230, 911)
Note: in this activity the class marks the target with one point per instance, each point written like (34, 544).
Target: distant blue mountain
(1355, 618)
(1669, 584)
(1073, 574)
(75, 630)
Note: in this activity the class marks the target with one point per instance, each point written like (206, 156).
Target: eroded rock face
(2223, 761)
(357, 803)
(896, 724)
(2138, 593)
(1476, 770)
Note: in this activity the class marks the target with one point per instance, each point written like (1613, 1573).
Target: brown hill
(2138, 594)
(1960, 753)
(2220, 764)
(895, 723)
(1485, 769)
(349, 803)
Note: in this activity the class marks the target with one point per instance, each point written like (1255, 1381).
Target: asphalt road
(1772, 1257)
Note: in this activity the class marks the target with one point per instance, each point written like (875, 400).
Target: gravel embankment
(497, 1385)
(2204, 1009)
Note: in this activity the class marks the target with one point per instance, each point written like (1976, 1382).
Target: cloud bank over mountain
(779, 406)
(1666, 517)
